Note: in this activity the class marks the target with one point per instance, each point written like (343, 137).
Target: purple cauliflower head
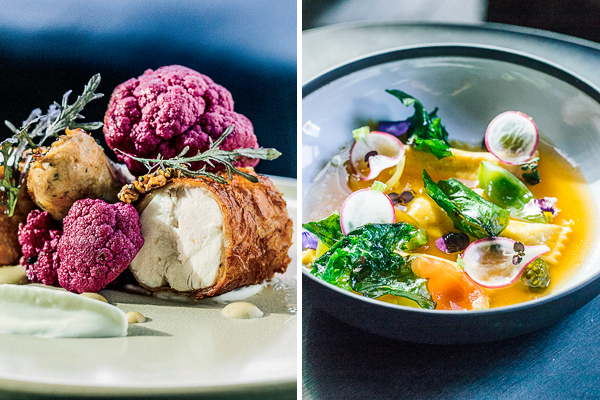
(39, 244)
(99, 241)
(163, 111)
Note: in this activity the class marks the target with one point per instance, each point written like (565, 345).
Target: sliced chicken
(209, 238)
(75, 167)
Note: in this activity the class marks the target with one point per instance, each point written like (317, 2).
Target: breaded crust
(256, 227)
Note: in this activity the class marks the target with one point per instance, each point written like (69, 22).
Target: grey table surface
(342, 362)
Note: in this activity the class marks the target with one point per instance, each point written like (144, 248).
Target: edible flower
(452, 242)
(309, 240)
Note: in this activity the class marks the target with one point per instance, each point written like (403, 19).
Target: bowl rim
(486, 52)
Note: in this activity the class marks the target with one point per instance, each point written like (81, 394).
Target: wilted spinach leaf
(375, 277)
(471, 213)
(328, 230)
(365, 259)
(425, 131)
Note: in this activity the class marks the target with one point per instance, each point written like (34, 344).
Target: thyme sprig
(58, 118)
(214, 155)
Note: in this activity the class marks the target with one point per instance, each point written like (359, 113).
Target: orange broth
(558, 179)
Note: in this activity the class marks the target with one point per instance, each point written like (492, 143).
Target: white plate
(182, 349)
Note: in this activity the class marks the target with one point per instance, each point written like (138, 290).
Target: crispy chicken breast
(209, 238)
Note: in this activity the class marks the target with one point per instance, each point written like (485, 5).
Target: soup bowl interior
(470, 85)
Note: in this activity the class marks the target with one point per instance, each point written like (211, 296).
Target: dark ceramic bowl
(470, 85)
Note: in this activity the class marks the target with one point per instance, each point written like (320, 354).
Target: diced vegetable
(321, 249)
(425, 131)
(512, 137)
(367, 206)
(499, 262)
(308, 256)
(374, 152)
(507, 191)
(469, 212)
(450, 287)
(365, 261)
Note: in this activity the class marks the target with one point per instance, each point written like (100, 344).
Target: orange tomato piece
(450, 287)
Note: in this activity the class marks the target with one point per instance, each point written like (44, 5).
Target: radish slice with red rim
(372, 152)
(497, 262)
(512, 137)
(367, 206)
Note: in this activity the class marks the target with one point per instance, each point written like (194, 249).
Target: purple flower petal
(452, 242)
(309, 241)
(548, 204)
(396, 128)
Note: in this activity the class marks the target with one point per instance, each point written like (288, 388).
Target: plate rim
(457, 49)
(495, 27)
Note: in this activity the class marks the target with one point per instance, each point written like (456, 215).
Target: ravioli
(530, 234)
(463, 165)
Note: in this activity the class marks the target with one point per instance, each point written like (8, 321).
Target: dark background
(47, 48)
(579, 18)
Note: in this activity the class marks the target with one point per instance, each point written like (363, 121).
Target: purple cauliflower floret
(99, 241)
(163, 111)
(39, 244)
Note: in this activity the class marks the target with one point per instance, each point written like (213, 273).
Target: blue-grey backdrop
(248, 46)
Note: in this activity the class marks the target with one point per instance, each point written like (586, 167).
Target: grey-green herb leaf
(58, 118)
(214, 155)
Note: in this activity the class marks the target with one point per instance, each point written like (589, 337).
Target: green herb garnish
(365, 261)
(469, 212)
(328, 230)
(59, 117)
(214, 155)
(425, 132)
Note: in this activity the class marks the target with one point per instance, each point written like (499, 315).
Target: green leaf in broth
(365, 261)
(469, 212)
(328, 230)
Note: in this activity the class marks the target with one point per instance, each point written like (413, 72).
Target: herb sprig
(58, 118)
(424, 130)
(214, 155)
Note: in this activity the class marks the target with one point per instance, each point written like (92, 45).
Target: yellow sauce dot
(134, 317)
(242, 310)
(94, 296)
(13, 275)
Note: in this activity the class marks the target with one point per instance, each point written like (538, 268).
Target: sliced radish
(372, 152)
(512, 137)
(367, 206)
(497, 262)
